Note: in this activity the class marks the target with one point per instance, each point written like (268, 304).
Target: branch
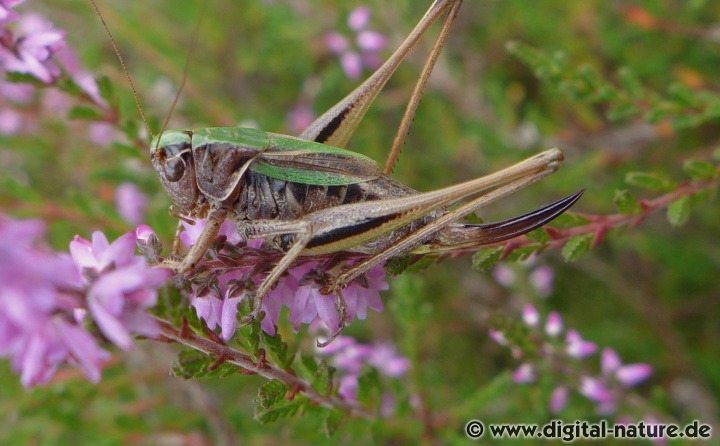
(261, 368)
(599, 225)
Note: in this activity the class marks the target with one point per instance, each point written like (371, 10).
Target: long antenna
(191, 49)
(125, 68)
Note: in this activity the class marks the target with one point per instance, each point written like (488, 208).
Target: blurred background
(649, 292)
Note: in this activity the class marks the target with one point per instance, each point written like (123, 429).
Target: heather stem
(261, 368)
(602, 224)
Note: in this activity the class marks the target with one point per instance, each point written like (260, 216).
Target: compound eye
(174, 169)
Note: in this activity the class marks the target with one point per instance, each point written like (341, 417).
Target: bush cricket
(309, 196)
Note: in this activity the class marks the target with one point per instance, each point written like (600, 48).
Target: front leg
(252, 229)
(303, 231)
(215, 220)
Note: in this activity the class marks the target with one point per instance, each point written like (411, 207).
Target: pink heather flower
(131, 203)
(364, 293)
(558, 399)
(368, 44)
(36, 42)
(349, 357)
(305, 301)
(371, 41)
(192, 232)
(84, 79)
(228, 320)
(553, 324)
(352, 64)
(359, 18)
(7, 14)
(121, 286)
(309, 303)
(12, 121)
(577, 347)
(609, 361)
(208, 307)
(348, 387)
(38, 299)
(144, 232)
(633, 374)
(524, 374)
(336, 42)
(102, 134)
(530, 316)
(300, 116)
(17, 93)
(386, 359)
(628, 375)
(542, 279)
(504, 275)
(498, 337)
(594, 390)
(352, 358)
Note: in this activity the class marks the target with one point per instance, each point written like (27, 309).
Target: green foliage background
(651, 292)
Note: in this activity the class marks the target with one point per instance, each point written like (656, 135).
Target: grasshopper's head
(171, 156)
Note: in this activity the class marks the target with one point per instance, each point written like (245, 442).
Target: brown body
(264, 198)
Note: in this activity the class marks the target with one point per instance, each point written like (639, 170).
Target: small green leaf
(626, 202)
(68, 86)
(322, 381)
(195, 364)
(188, 364)
(539, 235)
(19, 191)
(712, 112)
(83, 112)
(105, 87)
(688, 121)
(569, 220)
(679, 211)
(332, 421)
(369, 388)
(486, 258)
(128, 150)
(655, 115)
(278, 349)
(577, 246)
(716, 155)
(23, 78)
(682, 95)
(288, 410)
(650, 181)
(397, 265)
(271, 393)
(700, 170)
(520, 254)
(307, 367)
(248, 337)
(422, 263)
(631, 83)
(622, 112)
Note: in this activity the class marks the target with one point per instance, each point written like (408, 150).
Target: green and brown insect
(309, 196)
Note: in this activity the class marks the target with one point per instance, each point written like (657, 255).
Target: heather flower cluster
(544, 350)
(361, 51)
(350, 357)
(131, 203)
(31, 45)
(50, 302)
(540, 278)
(298, 290)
